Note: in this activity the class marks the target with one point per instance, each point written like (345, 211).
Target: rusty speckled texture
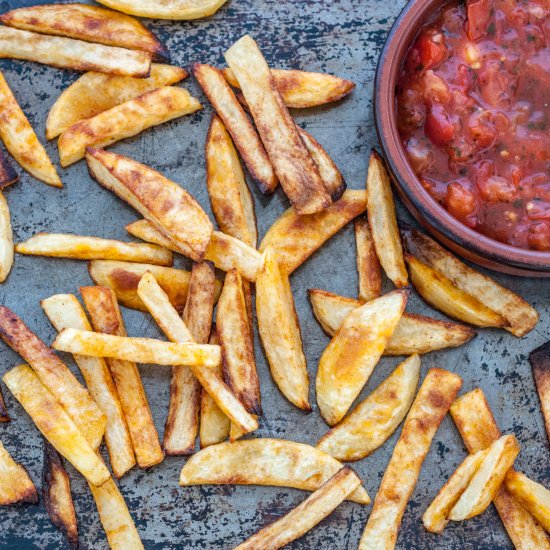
(343, 37)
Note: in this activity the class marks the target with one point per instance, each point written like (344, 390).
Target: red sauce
(473, 113)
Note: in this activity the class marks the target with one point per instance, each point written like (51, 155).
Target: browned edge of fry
(368, 265)
(540, 365)
(8, 175)
(4, 415)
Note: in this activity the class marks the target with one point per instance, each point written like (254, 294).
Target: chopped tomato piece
(438, 126)
(496, 189)
(420, 155)
(481, 129)
(479, 17)
(411, 111)
(434, 88)
(432, 49)
(538, 210)
(496, 83)
(539, 236)
(461, 203)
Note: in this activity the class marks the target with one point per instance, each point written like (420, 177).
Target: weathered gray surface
(339, 36)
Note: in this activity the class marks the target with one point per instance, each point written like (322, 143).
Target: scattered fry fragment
(167, 9)
(15, 483)
(368, 265)
(8, 175)
(540, 365)
(6, 239)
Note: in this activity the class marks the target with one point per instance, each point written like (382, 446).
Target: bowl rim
(399, 38)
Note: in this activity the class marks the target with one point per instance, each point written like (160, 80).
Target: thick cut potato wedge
(520, 317)
(4, 416)
(64, 311)
(165, 204)
(77, 247)
(431, 404)
(264, 461)
(486, 481)
(238, 125)
(105, 316)
(125, 120)
(279, 330)
(293, 164)
(55, 424)
(20, 139)
(307, 514)
(6, 239)
(56, 492)
(96, 92)
(350, 357)
(67, 53)
(15, 483)
(475, 422)
(413, 334)
(89, 23)
(56, 377)
(302, 89)
(166, 9)
(533, 496)
(376, 418)
(368, 265)
(295, 238)
(540, 365)
(383, 223)
(8, 175)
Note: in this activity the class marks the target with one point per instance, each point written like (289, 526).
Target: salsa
(473, 114)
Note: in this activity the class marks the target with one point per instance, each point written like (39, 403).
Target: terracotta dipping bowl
(445, 228)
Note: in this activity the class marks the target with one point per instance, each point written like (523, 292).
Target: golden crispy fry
(476, 424)
(4, 416)
(540, 365)
(167, 9)
(264, 461)
(368, 265)
(383, 223)
(295, 238)
(307, 514)
(242, 132)
(64, 311)
(376, 418)
(431, 404)
(54, 423)
(436, 516)
(279, 330)
(125, 120)
(15, 483)
(293, 164)
(95, 92)
(8, 175)
(67, 53)
(533, 496)
(105, 316)
(413, 334)
(61, 245)
(6, 239)
(56, 377)
(520, 317)
(20, 139)
(165, 204)
(301, 89)
(56, 491)
(89, 23)
(350, 357)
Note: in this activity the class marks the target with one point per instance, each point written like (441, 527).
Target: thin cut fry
(167, 9)
(307, 514)
(8, 175)
(540, 365)
(431, 404)
(6, 239)
(15, 483)
(4, 416)
(368, 265)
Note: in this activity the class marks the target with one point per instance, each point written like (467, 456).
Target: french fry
(56, 492)
(6, 239)
(431, 404)
(279, 330)
(64, 311)
(301, 89)
(8, 175)
(4, 416)
(375, 419)
(307, 514)
(487, 479)
(20, 139)
(368, 265)
(105, 316)
(96, 92)
(238, 125)
(67, 53)
(168, 9)
(55, 424)
(475, 422)
(76, 247)
(533, 496)
(413, 334)
(383, 223)
(56, 377)
(292, 162)
(125, 120)
(89, 23)
(295, 238)
(15, 483)
(350, 357)
(165, 204)
(520, 317)
(264, 461)
(540, 365)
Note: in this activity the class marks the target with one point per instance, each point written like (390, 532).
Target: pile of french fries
(208, 320)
